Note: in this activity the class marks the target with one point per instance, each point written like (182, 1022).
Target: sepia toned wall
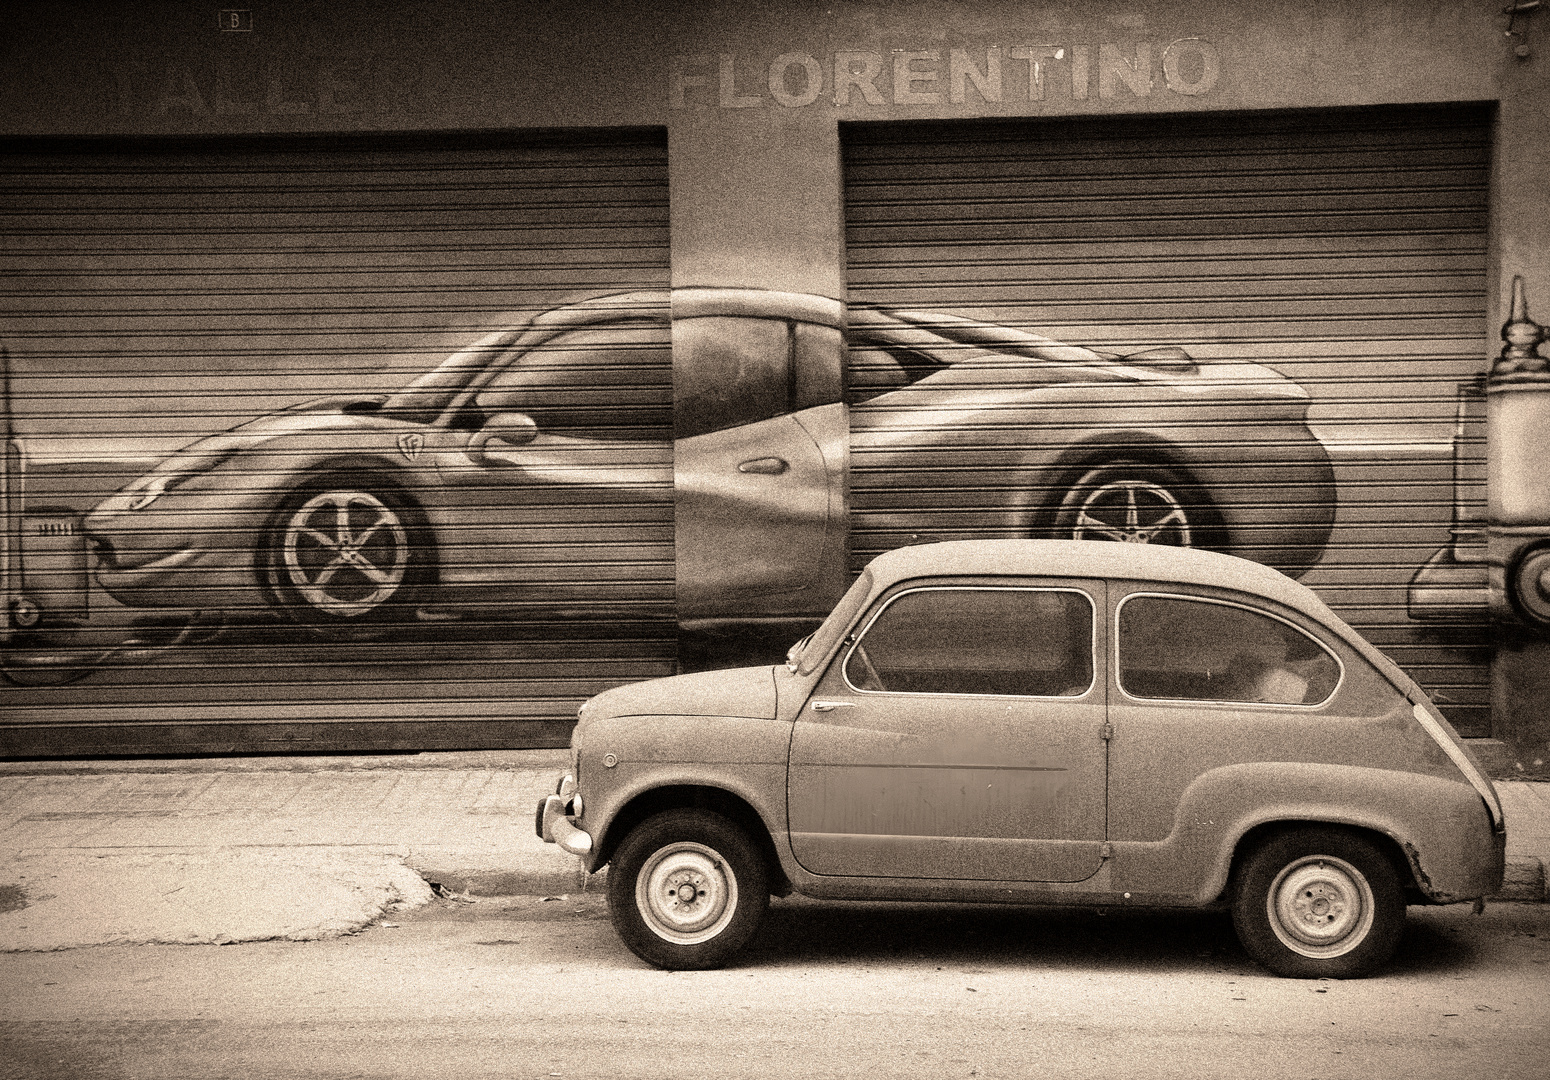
(755, 98)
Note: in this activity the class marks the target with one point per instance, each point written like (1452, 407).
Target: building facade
(400, 376)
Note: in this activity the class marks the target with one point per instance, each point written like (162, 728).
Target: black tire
(1318, 903)
(347, 557)
(687, 889)
(1531, 585)
(1135, 503)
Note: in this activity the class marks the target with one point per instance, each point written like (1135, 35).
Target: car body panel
(942, 785)
(1184, 784)
(761, 514)
(1440, 824)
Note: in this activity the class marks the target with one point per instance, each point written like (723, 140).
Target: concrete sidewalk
(229, 849)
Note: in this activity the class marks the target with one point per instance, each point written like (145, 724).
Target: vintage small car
(1040, 721)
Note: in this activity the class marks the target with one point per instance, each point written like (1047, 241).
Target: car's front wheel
(687, 889)
(1318, 903)
(346, 557)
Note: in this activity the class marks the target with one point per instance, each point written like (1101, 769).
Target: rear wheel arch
(731, 806)
(1259, 835)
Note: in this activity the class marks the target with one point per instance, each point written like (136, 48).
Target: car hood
(743, 692)
(322, 414)
(206, 453)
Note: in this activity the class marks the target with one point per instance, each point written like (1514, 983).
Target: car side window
(977, 640)
(1192, 649)
(612, 381)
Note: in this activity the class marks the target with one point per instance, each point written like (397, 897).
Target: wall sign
(992, 75)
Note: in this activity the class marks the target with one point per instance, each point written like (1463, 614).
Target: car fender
(1300, 507)
(627, 758)
(1441, 825)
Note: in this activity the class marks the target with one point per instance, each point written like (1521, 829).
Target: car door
(959, 735)
(760, 516)
(574, 508)
(760, 469)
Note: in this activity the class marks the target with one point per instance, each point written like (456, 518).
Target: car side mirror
(512, 428)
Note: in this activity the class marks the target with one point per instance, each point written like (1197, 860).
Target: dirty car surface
(1040, 722)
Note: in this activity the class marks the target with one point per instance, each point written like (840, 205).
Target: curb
(1524, 880)
(494, 883)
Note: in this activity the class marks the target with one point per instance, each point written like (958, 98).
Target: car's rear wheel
(1133, 503)
(1318, 903)
(686, 890)
(346, 556)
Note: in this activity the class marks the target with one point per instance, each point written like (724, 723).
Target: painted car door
(959, 735)
(579, 514)
(761, 517)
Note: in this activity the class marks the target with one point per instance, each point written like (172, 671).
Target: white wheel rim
(1132, 512)
(686, 893)
(1320, 907)
(346, 552)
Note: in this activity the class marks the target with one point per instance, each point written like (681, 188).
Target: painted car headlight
(158, 486)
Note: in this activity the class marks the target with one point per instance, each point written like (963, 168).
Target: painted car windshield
(613, 380)
(1190, 649)
(978, 640)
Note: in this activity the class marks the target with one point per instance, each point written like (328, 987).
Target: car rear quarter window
(1178, 648)
(970, 640)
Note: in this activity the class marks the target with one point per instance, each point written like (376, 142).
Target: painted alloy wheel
(1320, 907)
(686, 893)
(345, 553)
(1132, 512)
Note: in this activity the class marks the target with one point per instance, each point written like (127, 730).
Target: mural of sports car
(699, 453)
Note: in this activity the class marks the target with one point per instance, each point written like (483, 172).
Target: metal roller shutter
(1342, 249)
(159, 294)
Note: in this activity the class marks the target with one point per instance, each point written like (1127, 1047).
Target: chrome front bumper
(553, 821)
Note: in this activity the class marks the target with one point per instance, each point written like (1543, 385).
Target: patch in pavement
(12, 898)
(211, 897)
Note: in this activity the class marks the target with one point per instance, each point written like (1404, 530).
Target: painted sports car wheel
(346, 558)
(1135, 504)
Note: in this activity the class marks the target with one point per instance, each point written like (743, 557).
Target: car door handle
(830, 706)
(766, 466)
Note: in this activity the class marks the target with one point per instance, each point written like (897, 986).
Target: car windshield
(423, 399)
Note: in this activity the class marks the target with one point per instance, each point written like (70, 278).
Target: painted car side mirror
(511, 428)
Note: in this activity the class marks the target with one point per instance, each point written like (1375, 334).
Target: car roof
(1095, 559)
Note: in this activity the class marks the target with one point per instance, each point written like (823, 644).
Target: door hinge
(1106, 850)
(1106, 732)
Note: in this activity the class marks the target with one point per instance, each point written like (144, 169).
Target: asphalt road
(523, 987)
